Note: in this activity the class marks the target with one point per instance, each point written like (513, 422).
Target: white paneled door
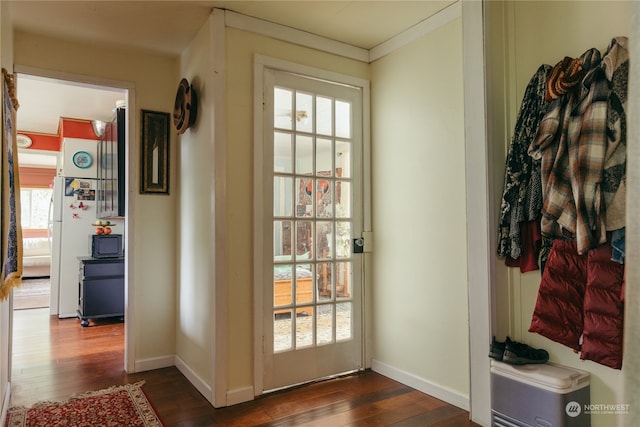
(312, 279)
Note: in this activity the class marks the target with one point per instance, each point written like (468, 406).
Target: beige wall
(195, 219)
(152, 227)
(420, 317)
(241, 47)
(518, 49)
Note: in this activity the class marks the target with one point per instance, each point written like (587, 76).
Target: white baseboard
(5, 404)
(154, 363)
(240, 395)
(167, 361)
(436, 390)
(195, 379)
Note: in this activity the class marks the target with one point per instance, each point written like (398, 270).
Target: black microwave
(106, 245)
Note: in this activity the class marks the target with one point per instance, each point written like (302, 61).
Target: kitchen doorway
(54, 107)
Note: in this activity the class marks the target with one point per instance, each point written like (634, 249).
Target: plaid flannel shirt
(572, 143)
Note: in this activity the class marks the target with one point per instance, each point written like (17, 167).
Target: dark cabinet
(100, 288)
(111, 168)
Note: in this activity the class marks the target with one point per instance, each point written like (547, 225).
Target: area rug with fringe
(125, 405)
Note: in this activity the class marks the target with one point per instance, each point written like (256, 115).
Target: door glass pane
(343, 119)
(304, 155)
(282, 196)
(282, 331)
(324, 157)
(282, 108)
(282, 240)
(304, 284)
(324, 198)
(304, 238)
(343, 239)
(343, 199)
(324, 112)
(343, 280)
(304, 327)
(343, 159)
(324, 240)
(304, 112)
(304, 197)
(282, 291)
(282, 153)
(325, 281)
(324, 328)
(344, 325)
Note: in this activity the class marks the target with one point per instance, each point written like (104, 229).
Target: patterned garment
(572, 144)
(615, 64)
(564, 76)
(522, 196)
(11, 230)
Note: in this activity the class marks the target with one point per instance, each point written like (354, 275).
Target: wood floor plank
(56, 358)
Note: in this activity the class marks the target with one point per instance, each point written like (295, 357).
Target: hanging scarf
(11, 231)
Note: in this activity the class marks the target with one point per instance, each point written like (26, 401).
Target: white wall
(518, 48)
(195, 189)
(152, 227)
(420, 318)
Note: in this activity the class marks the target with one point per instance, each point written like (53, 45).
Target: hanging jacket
(571, 144)
(603, 309)
(581, 144)
(522, 193)
(615, 64)
(579, 302)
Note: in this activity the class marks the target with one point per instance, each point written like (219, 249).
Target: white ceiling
(168, 27)
(44, 101)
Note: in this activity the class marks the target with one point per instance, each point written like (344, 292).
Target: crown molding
(292, 35)
(419, 30)
(303, 38)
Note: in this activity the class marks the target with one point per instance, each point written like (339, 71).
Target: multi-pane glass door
(314, 296)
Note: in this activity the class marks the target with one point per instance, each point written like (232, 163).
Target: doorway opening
(56, 116)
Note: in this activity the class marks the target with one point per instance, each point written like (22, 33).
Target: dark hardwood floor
(53, 359)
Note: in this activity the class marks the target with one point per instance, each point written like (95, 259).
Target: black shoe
(516, 353)
(496, 349)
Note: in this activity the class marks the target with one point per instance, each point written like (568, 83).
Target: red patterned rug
(125, 405)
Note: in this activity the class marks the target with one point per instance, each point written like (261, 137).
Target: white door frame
(260, 64)
(480, 211)
(131, 176)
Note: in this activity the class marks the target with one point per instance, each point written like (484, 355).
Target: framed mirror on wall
(154, 152)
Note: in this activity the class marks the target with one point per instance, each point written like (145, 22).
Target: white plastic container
(539, 395)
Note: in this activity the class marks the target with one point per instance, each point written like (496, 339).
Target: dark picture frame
(154, 152)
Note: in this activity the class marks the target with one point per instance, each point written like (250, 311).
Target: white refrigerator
(73, 210)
